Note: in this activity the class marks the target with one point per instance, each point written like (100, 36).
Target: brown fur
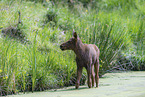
(87, 55)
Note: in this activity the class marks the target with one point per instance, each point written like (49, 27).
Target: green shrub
(51, 17)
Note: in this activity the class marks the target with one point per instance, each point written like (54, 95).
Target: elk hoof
(77, 85)
(97, 86)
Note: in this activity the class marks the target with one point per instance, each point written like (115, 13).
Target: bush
(51, 17)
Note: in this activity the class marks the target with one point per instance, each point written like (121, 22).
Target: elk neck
(79, 49)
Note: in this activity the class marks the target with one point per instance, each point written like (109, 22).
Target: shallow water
(124, 84)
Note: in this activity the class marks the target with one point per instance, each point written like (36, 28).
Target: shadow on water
(73, 88)
(104, 84)
(69, 89)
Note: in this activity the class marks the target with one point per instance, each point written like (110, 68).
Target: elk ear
(74, 34)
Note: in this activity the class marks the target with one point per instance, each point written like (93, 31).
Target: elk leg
(79, 75)
(89, 76)
(93, 76)
(96, 72)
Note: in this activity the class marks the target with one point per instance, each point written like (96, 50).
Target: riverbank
(124, 84)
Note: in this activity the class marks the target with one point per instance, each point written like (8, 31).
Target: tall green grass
(116, 27)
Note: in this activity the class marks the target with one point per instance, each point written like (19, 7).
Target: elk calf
(87, 55)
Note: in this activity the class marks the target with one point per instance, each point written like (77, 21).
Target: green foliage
(51, 17)
(115, 26)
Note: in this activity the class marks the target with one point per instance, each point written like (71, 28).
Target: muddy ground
(123, 84)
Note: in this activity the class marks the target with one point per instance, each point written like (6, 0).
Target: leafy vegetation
(115, 26)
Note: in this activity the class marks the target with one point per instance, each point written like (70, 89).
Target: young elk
(87, 55)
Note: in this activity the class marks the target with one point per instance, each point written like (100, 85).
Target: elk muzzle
(62, 47)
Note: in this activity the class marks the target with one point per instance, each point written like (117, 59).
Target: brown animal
(87, 55)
